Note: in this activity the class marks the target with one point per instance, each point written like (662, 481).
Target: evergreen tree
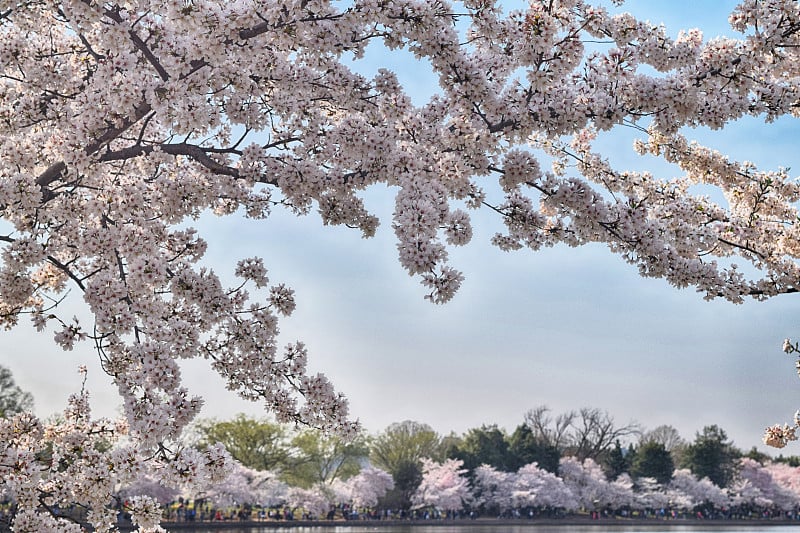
(486, 445)
(524, 448)
(407, 476)
(653, 460)
(711, 455)
(758, 456)
(618, 461)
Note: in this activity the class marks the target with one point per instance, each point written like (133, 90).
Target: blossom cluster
(75, 461)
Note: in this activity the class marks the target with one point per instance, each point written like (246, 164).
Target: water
(503, 528)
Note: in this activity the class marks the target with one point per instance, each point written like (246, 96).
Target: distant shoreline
(536, 522)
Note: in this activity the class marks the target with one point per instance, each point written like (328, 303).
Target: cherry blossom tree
(122, 121)
(763, 488)
(82, 460)
(743, 492)
(492, 488)
(315, 501)
(365, 488)
(586, 480)
(243, 485)
(650, 494)
(148, 485)
(696, 491)
(786, 476)
(536, 487)
(620, 492)
(444, 486)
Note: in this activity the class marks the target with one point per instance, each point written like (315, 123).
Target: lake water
(503, 528)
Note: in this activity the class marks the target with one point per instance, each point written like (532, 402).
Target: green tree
(320, 458)
(405, 442)
(791, 460)
(258, 444)
(711, 455)
(398, 450)
(670, 438)
(618, 460)
(653, 460)
(451, 443)
(756, 455)
(407, 477)
(524, 448)
(486, 445)
(13, 400)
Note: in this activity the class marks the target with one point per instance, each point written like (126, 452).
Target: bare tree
(665, 435)
(550, 430)
(594, 432)
(586, 433)
(668, 437)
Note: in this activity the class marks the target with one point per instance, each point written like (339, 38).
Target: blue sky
(564, 327)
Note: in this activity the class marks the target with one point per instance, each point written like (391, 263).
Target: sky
(563, 327)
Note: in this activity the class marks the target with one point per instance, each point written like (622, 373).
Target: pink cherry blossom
(444, 486)
(365, 488)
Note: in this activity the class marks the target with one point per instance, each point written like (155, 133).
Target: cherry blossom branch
(114, 14)
(68, 271)
(197, 153)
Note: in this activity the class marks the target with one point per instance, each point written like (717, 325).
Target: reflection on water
(504, 528)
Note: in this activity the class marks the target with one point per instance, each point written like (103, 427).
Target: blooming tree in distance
(620, 492)
(586, 481)
(122, 121)
(244, 485)
(697, 491)
(650, 494)
(536, 487)
(148, 485)
(786, 476)
(365, 488)
(492, 488)
(316, 501)
(769, 491)
(444, 486)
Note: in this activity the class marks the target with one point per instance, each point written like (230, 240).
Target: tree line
(567, 461)
(306, 457)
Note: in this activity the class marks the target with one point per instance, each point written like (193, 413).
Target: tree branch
(140, 45)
